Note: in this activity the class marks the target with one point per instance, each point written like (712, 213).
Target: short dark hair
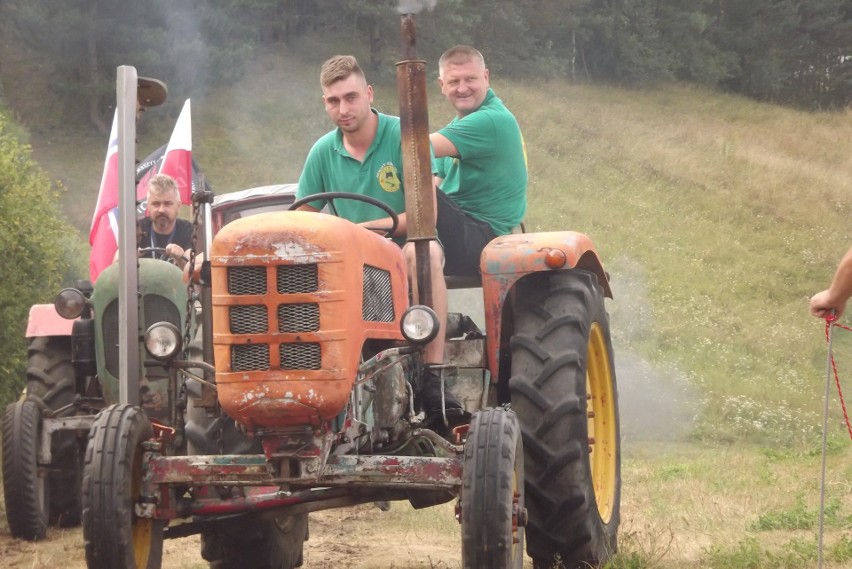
(338, 68)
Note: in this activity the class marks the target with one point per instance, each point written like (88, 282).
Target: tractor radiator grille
(300, 356)
(292, 318)
(294, 279)
(295, 318)
(250, 357)
(249, 320)
(378, 301)
(247, 280)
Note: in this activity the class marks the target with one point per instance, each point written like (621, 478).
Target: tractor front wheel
(113, 534)
(564, 392)
(492, 493)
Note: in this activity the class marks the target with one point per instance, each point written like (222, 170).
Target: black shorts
(462, 237)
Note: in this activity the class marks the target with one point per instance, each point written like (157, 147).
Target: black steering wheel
(328, 196)
(159, 252)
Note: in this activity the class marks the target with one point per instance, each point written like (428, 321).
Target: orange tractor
(290, 389)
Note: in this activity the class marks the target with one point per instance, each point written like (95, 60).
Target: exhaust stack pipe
(414, 119)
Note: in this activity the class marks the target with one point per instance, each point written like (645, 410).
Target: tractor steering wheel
(328, 196)
(159, 253)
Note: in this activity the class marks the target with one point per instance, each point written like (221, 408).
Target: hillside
(716, 216)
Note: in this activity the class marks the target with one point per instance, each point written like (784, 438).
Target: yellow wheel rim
(601, 411)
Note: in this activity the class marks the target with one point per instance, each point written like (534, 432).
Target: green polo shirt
(488, 179)
(330, 168)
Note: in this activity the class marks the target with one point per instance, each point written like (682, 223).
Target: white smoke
(415, 6)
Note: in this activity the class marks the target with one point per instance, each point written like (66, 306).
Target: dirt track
(356, 538)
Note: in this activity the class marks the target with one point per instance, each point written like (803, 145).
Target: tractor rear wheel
(113, 534)
(492, 493)
(261, 544)
(51, 382)
(270, 543)
(25, 485)
(564, 392)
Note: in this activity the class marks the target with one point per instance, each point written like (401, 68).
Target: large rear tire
(564, 392)
(262, 544)
(25, 485)
(51, 381)
(492, 493)
(114, 536)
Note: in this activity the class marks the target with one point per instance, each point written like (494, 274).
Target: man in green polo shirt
(364, 155)
(482, 160)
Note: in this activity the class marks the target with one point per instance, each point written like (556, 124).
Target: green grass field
(717, 218)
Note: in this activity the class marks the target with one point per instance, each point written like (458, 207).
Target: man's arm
(837, 295)
(384, 225)
(442, 146)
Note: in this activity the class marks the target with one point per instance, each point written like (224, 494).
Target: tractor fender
(45, 321)
(510, 258)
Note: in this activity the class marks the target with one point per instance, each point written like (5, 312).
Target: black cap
(150, 92)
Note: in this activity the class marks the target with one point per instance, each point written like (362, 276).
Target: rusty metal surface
(509, 258)
(253, 470)
(416, 157)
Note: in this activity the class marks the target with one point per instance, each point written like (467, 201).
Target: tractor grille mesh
(294, 279)
(294, 318)
(300, 356)
(249, 320)
(250, 357)
(377, 301)
(247, 280)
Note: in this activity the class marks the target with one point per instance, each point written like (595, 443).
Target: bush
(33, 245)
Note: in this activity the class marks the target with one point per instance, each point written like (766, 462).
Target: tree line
(794, 52)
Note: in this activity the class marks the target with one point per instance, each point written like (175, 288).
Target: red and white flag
(177, 162)
(103, 235)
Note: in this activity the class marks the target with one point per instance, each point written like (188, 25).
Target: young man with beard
(364, 155)
(162, 228)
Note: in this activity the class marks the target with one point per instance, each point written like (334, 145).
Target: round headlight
(420, 324)
(163, 341)
(69, 303)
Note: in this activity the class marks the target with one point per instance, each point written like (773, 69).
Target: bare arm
(384, 224)
(442, 146)
(837, 295)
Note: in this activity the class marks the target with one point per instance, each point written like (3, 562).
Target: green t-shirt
(330, 168)
(488, 179)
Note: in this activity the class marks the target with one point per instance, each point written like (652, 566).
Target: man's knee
(436, 254)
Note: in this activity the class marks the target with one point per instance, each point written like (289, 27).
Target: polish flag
(178, 157)
(103, 236)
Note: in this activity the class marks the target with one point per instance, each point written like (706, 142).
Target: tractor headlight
(420, 324)
(69, 303)
(163, 340)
